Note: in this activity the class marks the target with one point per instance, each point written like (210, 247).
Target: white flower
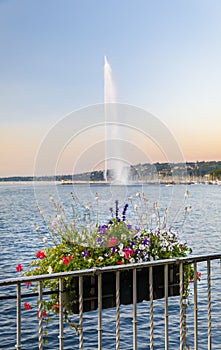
(121, 246)
(44, 240)
(121, 253)
(50, 270)
(100, 258)
(132, 260)
(141, 246)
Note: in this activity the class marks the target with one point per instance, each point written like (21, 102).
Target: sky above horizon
(165, 58)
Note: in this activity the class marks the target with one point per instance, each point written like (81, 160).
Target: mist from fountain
(116, 169)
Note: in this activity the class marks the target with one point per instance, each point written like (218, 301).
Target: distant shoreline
(167, 173)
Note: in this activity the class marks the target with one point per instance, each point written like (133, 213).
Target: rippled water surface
(19, 242)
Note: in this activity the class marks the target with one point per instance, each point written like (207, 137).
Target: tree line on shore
(211, 169)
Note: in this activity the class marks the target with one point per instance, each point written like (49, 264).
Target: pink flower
(198, 275)
(19, 268)
(27, 306)
(128, 252)
(40, 255)
(112, 241)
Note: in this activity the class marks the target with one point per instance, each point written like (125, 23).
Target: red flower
(40, 255)
(119, 263)
(198, 275)
(55, 307)
(66, 259)
(112, 241)
(43, 314)
(27, 284)
(19, 268)
(27, 306)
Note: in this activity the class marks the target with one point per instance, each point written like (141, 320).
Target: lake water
(19, 242)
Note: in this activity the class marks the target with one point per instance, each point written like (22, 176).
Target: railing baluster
(61, 303)
(151, 305)
(97, 271)
(166, 305)
(181, 305)
(134, 309)
(40, 321)
(117, 310)
(99, 328)
(195, 308)
(80, 313)
(209, 303)
(18, 316)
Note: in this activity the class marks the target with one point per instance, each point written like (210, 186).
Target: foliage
(79, 242)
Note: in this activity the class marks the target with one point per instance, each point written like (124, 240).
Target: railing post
(166, 305)
(209, 303)
(18, 316)
(40, 321)
(61, 325)
(99, 328)
(181, 304)
(151, 305)
(117, 310)
(195, 308)
(134, 309)
(80, 313)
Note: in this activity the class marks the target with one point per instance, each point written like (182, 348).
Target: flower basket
(76, 241)
(90, 288)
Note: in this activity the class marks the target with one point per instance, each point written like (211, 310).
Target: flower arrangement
(81, 243)
(77, 241)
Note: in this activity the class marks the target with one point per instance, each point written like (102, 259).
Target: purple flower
(100, 240)
(113, 249)
(102, 229)
(124, 212)
(129, 226)
(117, 210)
(145, 241)
(84, 254)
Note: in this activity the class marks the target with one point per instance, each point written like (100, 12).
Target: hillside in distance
(139, 172)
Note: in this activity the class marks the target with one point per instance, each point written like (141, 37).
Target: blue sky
(165, 57)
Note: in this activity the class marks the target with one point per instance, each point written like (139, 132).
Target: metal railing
(117, 270)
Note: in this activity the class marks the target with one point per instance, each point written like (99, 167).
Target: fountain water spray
(116, 168)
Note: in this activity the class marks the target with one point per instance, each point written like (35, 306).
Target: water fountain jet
(116, 169)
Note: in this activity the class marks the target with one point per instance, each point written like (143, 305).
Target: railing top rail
(98, 270)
